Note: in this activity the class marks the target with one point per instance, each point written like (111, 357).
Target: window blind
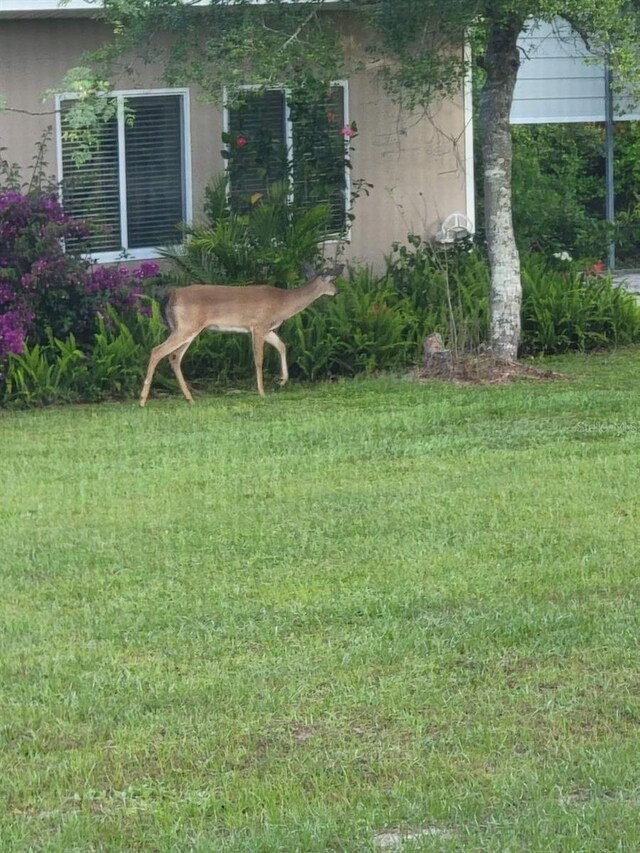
(91, 190)
(153, 155)
(134, 197)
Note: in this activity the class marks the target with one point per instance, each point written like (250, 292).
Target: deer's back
(219, 305)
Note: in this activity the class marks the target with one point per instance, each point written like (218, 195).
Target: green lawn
(347, 610)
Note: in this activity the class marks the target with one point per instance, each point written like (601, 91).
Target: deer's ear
(308, 271)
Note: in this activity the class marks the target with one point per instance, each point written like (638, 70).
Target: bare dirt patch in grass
(484, 370)
(390, 839)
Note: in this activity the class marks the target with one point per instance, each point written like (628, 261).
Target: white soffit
(559, 80)
(45, 8)
(56, 8)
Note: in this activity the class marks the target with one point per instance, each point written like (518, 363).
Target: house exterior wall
(417, 167)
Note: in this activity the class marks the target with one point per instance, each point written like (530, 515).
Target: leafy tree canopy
(222, 46)
(408, 30)
(229, 43)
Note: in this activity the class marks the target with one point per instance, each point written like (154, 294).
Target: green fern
(564, 309)
(44, 374)
(269, 244)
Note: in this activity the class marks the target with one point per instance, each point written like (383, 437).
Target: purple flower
(147, 269)
(12, 332)
(9, 197)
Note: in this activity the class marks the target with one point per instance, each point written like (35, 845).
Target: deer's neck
(301, 297)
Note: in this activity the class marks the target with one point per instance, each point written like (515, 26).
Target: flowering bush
(45, 291)
(119, 287)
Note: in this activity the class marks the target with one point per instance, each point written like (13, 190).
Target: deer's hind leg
(175, 360)
(278, 344)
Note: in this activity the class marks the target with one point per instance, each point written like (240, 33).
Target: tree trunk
(501, 62)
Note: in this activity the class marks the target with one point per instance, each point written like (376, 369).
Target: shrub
(568, 308)
(269, 244)
(447, 290)
(45, 292)
(39, 280)
(113, 365)
(559, 190)
(117, 360)
(368, 327)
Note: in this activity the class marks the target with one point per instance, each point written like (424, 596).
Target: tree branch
(29, 112)
(294, 36)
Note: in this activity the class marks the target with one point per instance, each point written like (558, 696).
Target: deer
(255, 309)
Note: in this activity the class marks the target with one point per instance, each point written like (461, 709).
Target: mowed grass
(351, 615)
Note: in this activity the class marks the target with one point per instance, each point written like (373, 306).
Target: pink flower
(241, 141)
(347, 131)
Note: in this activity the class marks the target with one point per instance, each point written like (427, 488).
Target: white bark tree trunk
(501, 63)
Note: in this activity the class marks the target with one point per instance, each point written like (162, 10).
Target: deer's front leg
(174, 342)
(258, 358)
(278, 344)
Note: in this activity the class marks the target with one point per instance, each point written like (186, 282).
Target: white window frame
(289, 143)
(148, 252)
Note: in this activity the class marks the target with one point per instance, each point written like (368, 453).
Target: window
(297, 136)
(134, 188)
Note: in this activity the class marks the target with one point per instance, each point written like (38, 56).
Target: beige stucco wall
(416, 166)
(34, 56)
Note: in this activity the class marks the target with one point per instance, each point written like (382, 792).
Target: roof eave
(89, 8)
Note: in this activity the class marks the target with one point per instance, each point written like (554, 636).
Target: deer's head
(325, 281)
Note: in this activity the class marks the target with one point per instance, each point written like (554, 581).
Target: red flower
(241, 141)
(596, 269)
